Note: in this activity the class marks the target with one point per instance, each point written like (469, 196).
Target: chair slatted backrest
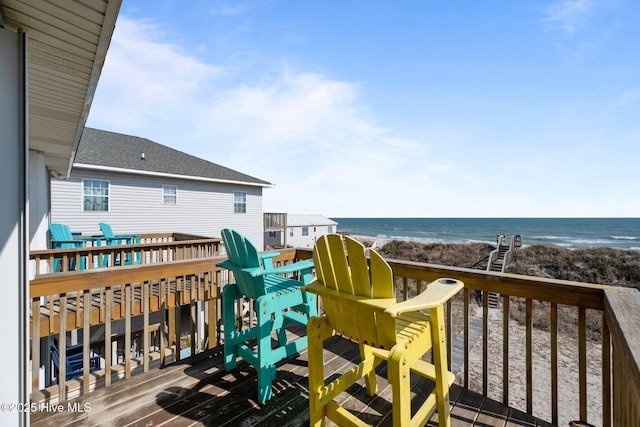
(107, 231)
(244, 257)
(364, 290)
(60, 232)
(70, 371)
(62, 237)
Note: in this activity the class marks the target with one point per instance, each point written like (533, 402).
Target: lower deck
(199, 392)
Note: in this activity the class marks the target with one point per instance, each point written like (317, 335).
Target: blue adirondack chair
(121, 239)
(73, 361)
(61, 238)
(278, 302)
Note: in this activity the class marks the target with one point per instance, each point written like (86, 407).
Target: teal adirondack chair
(61, 238)
(121, 239)
(278, 302)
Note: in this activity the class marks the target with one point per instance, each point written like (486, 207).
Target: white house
(302, 231)
(51, 57)
(139, 186)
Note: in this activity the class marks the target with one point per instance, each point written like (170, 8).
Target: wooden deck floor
(199, 392)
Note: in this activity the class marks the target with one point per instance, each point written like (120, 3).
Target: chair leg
(282, 336)
(266, 375)
(317, 331)
(400, 380)
(370, 378)
(439, 350)
(312, 304)
(266, 363)
(229, 295)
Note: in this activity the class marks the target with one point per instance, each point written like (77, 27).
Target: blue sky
(392, 109)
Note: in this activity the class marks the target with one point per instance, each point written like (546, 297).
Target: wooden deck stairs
(499, 259)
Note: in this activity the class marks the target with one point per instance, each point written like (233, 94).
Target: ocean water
(623, 233)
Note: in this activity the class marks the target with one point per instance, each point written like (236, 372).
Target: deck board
(199, 392)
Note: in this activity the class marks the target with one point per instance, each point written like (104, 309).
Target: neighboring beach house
(302, 231)
(139, 186)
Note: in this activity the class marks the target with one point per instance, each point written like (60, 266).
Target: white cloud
(311, 137)
(227, 10)
(308, 134)
(146, 81)
(569, 15)
(628, 98)
(315, 138)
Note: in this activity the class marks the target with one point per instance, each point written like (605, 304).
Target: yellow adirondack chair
(359, 304)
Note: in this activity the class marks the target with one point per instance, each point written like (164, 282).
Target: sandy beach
(568, 400)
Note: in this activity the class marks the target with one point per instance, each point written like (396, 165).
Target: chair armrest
(74, 349)
(258, 271)
(437, 293)
(127, 236)
(73, 358)
(74, 364)
(263, 255)
(289, 268)
(94, 363)
(233, 267)
(376, 304)
(120, 240)
(266, 258)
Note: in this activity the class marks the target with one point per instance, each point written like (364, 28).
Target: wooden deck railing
(101, 297)
(488, 367)
(274, 221)
(622, 318)
(617, 308)
(153, 248)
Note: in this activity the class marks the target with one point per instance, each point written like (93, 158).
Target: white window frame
(107, 196)
(240, 206)
(305, 231)
(174, 195)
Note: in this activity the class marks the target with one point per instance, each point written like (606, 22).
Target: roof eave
(170, 175)
(111, 15)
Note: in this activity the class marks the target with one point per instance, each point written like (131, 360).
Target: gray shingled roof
(102, 148)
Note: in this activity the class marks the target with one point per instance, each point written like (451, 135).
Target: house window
(95, 195)
(330, 229)
(239, 202)
(169, 195)
(290, 232)
(305, 231)
(272, 234)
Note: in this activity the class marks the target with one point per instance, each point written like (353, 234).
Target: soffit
(67, 45)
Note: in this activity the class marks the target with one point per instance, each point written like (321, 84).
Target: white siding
(38, 208)
(300, 241)
(135, 206)
(277, 240)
